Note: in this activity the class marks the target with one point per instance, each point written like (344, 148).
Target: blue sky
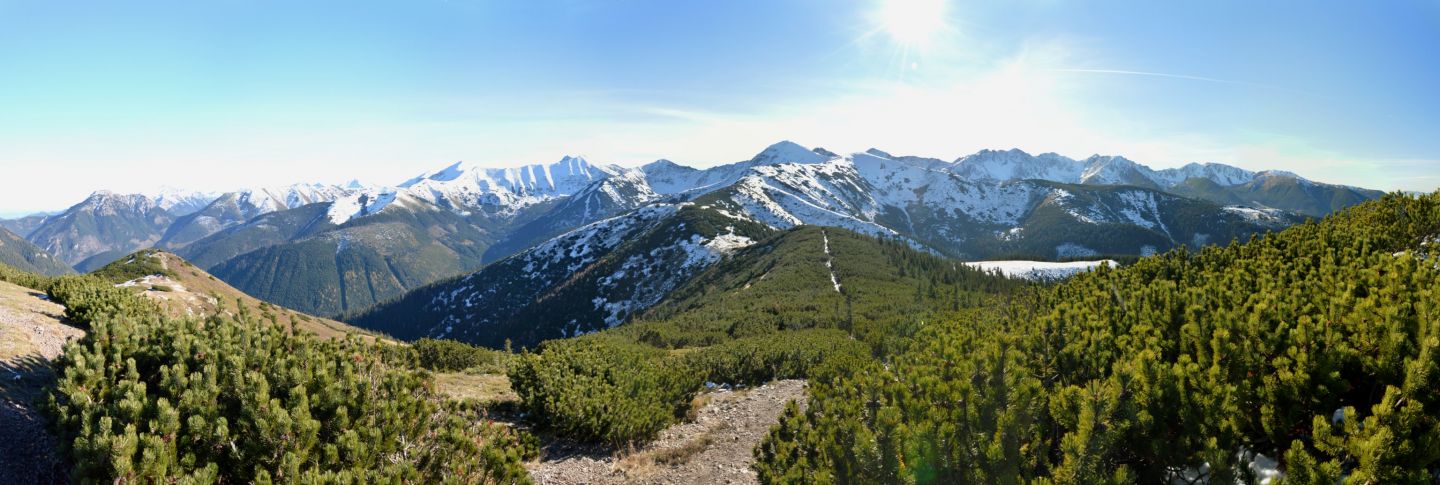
(220, 94)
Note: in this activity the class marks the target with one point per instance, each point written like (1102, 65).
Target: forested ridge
(1316, 346)
(770, 312)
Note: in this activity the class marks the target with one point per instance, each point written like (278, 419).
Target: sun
(911, 22)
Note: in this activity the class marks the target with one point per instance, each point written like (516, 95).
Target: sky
(220, 94)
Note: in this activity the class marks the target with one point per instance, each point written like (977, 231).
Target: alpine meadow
(747, 242)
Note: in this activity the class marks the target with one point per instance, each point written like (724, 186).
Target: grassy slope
(188, 290)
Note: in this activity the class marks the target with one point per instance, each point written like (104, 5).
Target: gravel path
(31, 336)
(716, 448)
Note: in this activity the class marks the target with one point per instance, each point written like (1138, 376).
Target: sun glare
(912, 22)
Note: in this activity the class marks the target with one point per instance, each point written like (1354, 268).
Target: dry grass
(193, 292)
(481, 387)
(23, 308)
(682, 454)
(697, 403)
(642, 464)
(683, 350)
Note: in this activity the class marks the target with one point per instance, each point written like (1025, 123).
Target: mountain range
(332, 249)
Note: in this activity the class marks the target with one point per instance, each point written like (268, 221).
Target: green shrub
(782, 355)
(1178, 361)
(148, 399)
(15, 276)
(603, 389)
(87, 298)
(138, 265)
(449, 355)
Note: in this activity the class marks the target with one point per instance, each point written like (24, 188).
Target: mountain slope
(1214, 182)
(180, 202)
(1308, 355)
(266, 230)
(669, 178)
(101, 229)
(184, 290)
(1284, 191)
(235, 208)
(603, 199)
(810, 277)
(943, 211)
(326, 269)
(588, 279)
(23, 226)
(467, 188)
(24, 255)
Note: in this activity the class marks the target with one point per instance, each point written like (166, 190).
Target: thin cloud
(1187, 77)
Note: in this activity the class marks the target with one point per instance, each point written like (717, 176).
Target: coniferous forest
(1316, 348)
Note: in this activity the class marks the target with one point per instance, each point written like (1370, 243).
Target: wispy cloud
(1187, 77)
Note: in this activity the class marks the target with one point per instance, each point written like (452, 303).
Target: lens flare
(912, 22)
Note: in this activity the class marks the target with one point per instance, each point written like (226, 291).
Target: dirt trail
(716, 448)
(31, 336)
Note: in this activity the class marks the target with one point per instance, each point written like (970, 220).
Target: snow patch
(1039, 270)
(1254, 215)
(1072, 250)
(829, 259)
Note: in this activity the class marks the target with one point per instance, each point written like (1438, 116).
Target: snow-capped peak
(1115, 170)
(1015, 164)
(787, 151)
(181, 201)
(1221, 174)
(464, 187)
(263, 200)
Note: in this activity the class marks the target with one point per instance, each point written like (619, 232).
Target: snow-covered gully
(829, 259)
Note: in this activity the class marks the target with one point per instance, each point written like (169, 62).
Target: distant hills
(332, 249)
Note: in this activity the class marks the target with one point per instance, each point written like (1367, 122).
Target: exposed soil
(32, 334)
(717, 447)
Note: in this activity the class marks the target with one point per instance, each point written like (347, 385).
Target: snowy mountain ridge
(464, 187)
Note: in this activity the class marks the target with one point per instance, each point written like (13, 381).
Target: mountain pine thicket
(146, 398)
(769, 312)
(1318, 346)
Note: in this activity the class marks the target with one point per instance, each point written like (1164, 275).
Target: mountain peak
(786, 151)
(1279, 174)
(451, 172)
(1016, 164)
(661, 164)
